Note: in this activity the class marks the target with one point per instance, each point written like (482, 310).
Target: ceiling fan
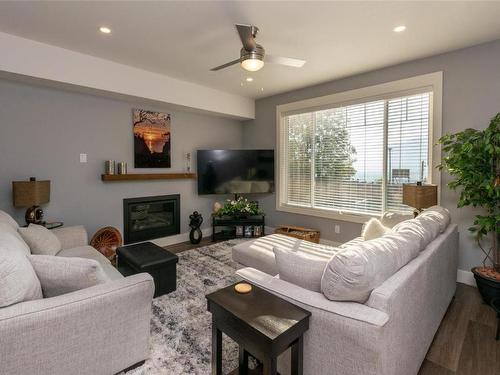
(253, 56)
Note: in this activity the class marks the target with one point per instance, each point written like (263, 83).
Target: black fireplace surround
(147, 218)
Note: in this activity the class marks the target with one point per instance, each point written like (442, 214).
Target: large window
(353, 159)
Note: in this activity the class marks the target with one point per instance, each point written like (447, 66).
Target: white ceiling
(184, 39)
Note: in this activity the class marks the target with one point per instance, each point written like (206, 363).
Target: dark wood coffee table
(263, 325)
(160, 263)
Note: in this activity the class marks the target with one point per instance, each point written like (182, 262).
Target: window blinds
(334, 158)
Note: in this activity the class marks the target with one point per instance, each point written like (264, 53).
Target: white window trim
(408, 86)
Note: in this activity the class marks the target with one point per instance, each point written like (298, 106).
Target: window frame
(432, 82)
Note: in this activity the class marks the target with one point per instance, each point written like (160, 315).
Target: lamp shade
(419, 196)
(30, 193)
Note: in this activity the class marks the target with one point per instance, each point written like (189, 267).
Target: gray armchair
(100, 330)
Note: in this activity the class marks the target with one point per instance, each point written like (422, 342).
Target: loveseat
(390, 332)
(99, 330)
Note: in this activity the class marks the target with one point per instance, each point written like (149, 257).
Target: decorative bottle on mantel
(188, 162)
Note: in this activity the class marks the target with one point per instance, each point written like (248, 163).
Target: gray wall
(43, 131)
(471, 97)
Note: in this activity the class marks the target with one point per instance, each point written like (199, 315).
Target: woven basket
(306, 234)
(106, 240)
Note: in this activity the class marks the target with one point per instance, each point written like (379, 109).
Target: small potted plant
(239, 208)
(473, 160)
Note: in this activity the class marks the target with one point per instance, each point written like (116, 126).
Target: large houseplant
(473, 160)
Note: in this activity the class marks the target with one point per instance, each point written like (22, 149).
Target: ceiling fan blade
(225, 65)
(288, 61)
(247, 35)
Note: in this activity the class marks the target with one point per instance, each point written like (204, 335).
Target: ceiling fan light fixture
(252, 65)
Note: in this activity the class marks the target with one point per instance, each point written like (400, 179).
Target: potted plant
(239, 208)
(473, 160)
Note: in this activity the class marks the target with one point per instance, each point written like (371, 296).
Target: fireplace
(147, 218)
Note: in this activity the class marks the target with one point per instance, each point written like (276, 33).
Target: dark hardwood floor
(465, 342)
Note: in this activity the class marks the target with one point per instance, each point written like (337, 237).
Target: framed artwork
(151, 139)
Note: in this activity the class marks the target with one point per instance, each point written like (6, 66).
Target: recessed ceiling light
(399, 29)
(262, 89)
(249, 79)
(105, 30)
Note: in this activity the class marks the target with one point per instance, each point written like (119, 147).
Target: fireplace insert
(147, 218)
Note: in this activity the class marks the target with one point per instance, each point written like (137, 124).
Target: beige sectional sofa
(102, 329)
(390, 332)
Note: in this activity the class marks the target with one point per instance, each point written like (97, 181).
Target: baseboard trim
(178, 238)
(466, 277)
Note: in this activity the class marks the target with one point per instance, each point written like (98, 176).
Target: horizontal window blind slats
(334, 157)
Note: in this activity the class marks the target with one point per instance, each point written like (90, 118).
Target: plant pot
(488, 288)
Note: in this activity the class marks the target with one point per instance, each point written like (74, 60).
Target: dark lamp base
(34, 215)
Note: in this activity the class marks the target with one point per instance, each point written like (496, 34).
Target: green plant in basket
(239, 207)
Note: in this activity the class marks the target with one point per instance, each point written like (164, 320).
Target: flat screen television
(235, 171)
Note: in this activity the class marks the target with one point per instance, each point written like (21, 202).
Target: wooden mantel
(147, 176)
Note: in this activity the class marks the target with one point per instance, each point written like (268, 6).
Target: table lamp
(31, 194)
(419, 196)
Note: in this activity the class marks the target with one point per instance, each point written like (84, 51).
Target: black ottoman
(150, 258)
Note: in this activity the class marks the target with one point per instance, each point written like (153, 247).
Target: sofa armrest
(99, 330)
(306, 297)
(71, 236)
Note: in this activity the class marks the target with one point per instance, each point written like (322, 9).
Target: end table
(263, 325)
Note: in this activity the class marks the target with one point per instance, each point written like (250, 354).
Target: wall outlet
(83, 158)
(337, 228)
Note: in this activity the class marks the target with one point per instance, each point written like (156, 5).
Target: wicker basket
(106, 240)
(306, 234)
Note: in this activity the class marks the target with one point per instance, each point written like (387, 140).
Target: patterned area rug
(181, 326)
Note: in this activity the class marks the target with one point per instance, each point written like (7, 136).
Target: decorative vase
(195, 235)
(217, 206)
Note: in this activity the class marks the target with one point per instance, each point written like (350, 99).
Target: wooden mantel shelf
(147, 176)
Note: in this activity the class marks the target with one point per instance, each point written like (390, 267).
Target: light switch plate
(83, 158)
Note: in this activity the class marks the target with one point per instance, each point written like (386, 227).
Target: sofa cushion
(356, 270)
(354, 241)
(301, 268)
(40, 240)
(259, 253)
(438, 214)
(12, 239)
(373, 228)
(61, 275)
(88, 252)
(18, 281)
(7, 219)
(390, 219)
(421, 229)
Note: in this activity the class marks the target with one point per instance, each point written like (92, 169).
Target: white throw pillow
(300, 268)
(439, 214)
(390, 219)
(354, 272)
(7, 219)
(374, 229)
(60, 275)
(12, 239)
(40, 240)
(18, 281)
(422, 230)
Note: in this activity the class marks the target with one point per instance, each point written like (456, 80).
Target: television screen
(235, 171)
